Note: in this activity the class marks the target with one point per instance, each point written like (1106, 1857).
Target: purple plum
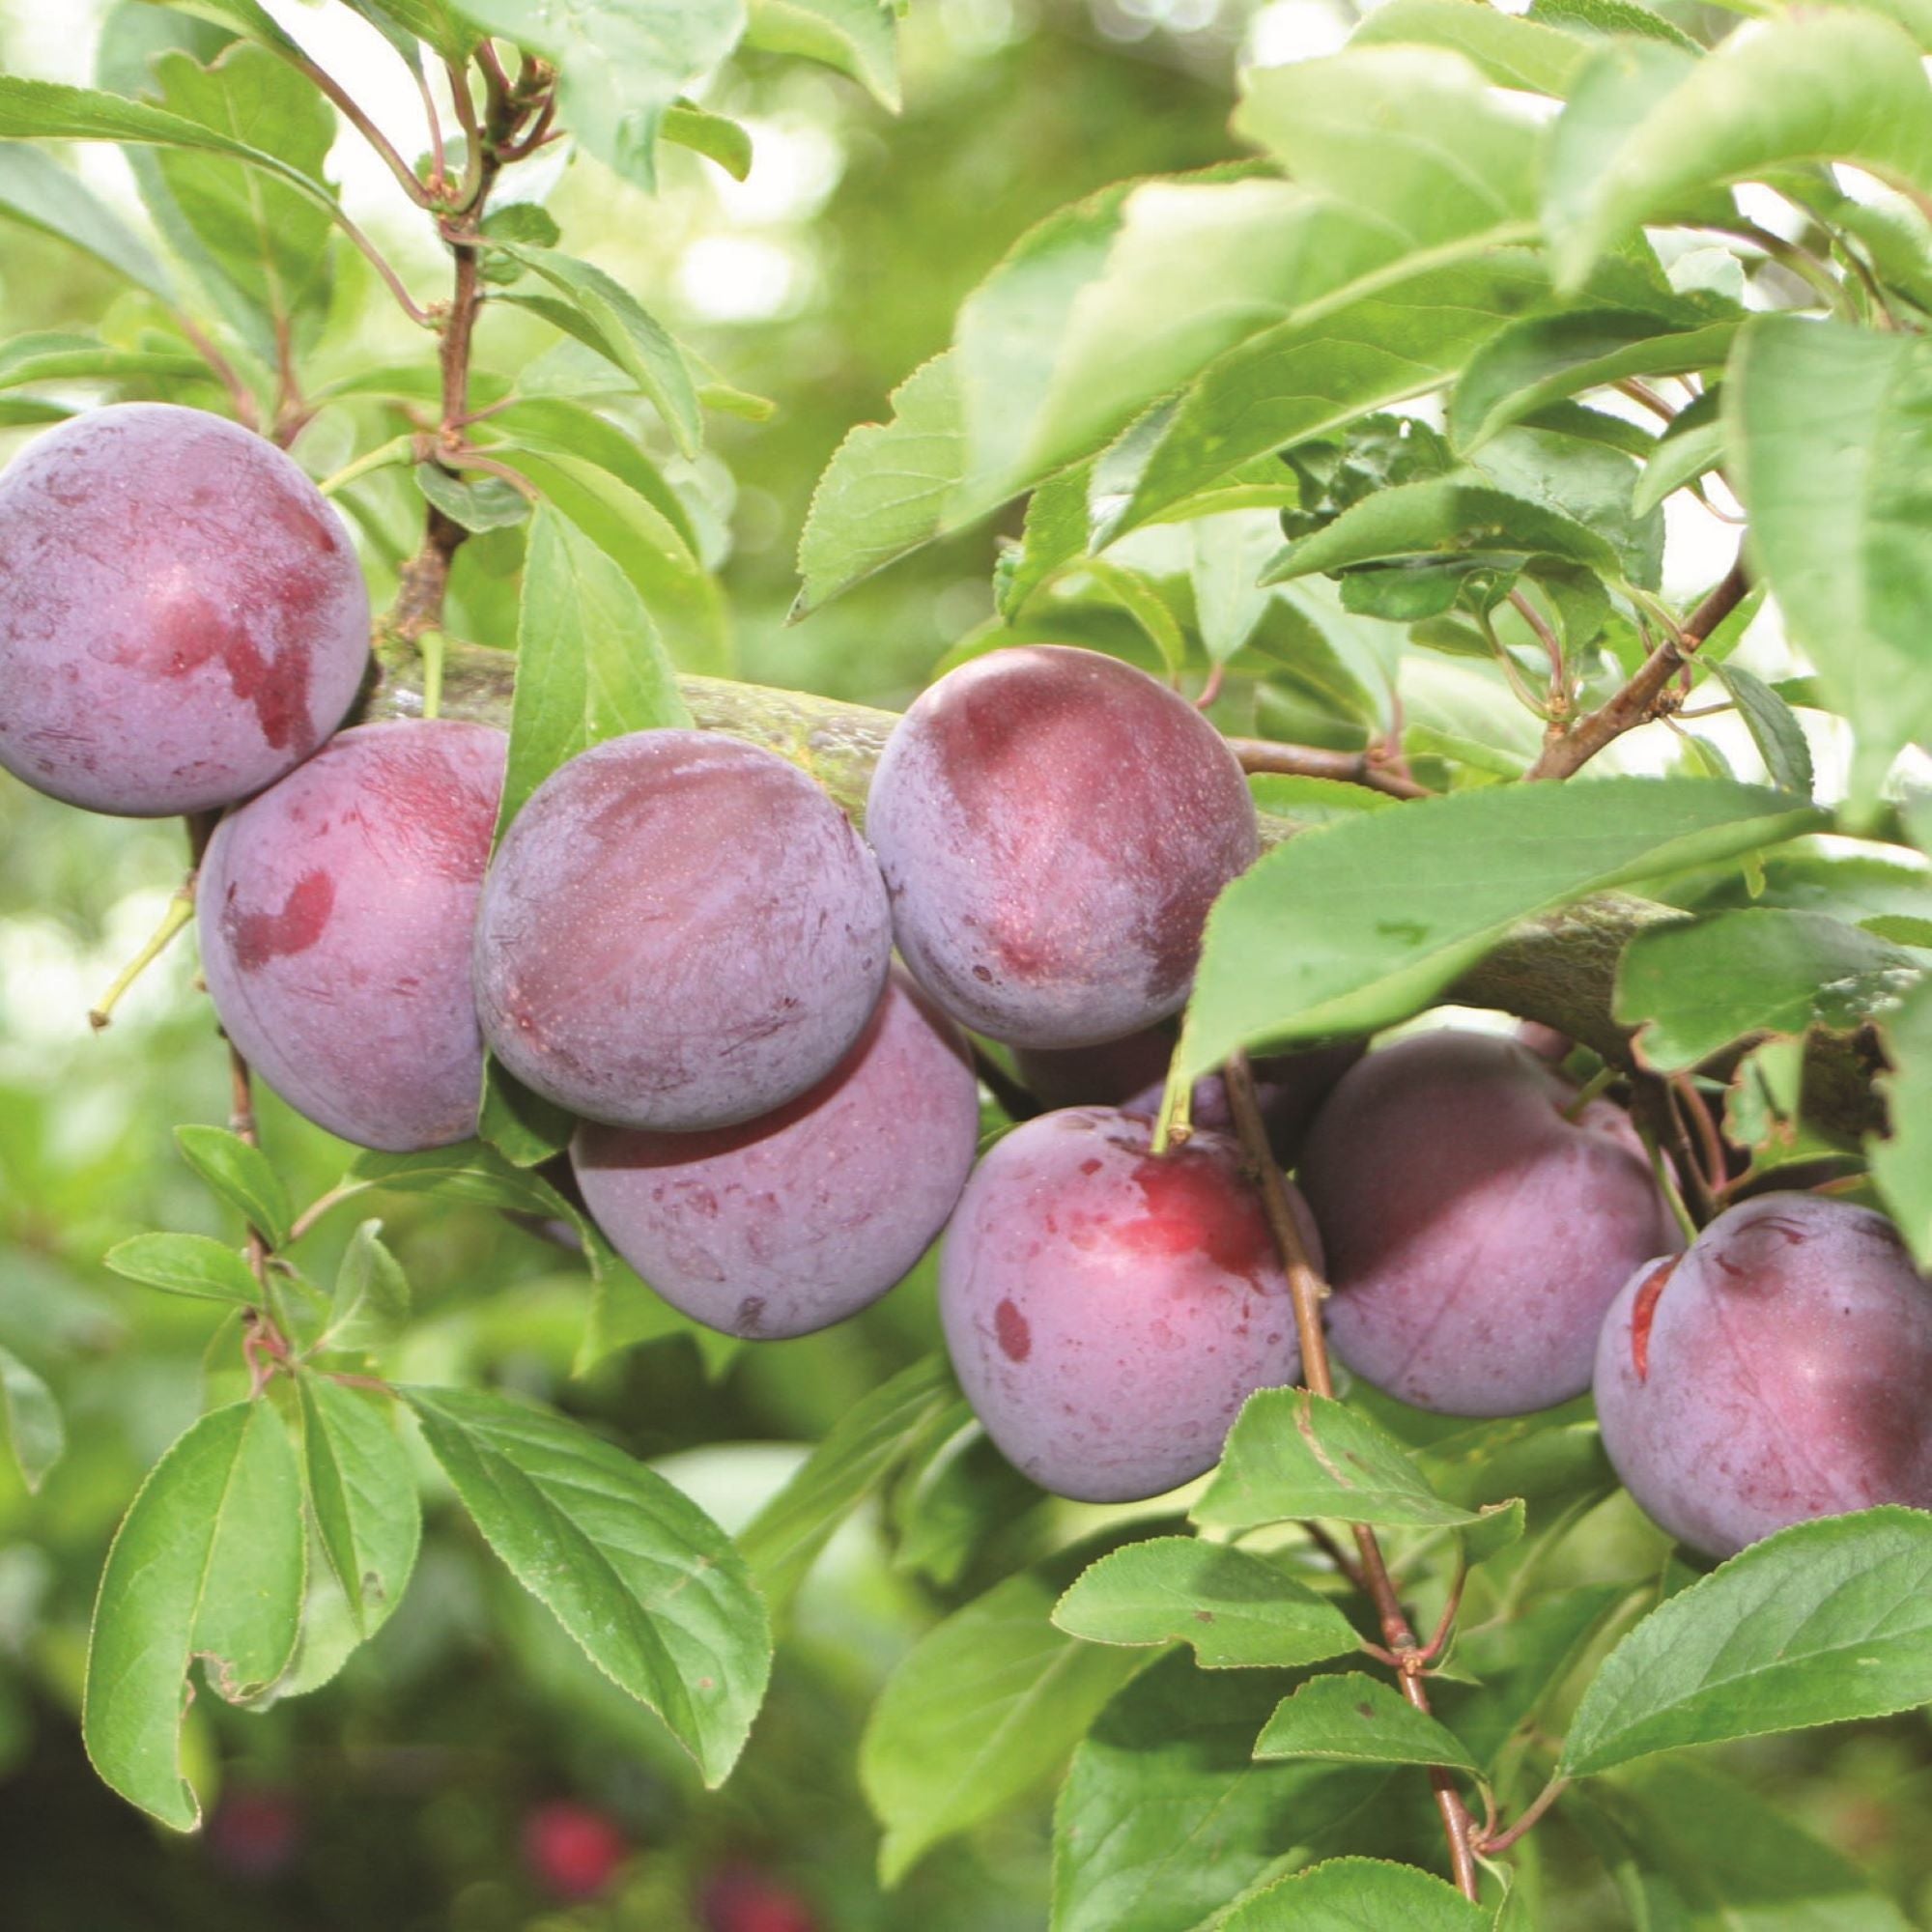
(793, 1221)
(182, 615)
(336, 913)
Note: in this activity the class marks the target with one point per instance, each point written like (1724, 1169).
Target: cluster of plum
(684, 942)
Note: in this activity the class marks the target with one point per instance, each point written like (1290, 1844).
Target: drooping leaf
(208, 1562)
(371, 1299)
(559, 426)
(644, 1581)
(1360, 1895)
(473, 501)
(590, 664)
(38, 191)
(621, 62)
(1697, 986)
(1233, 1609)
(717, 138)
(857, 1456)
(1165, 1819)
(32, 1418)
(1830, 428)
(1292, 1454)
(857, 37)
(982, 1710)
(1363, 925)
(1773, 726)
(1820, 1624)
(1358, 1719)
(1676, 460)
(363, 1495)
(240, 1174)
(191, 1265)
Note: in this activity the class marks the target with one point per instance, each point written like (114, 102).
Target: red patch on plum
(1013, 1331)
(259, 937)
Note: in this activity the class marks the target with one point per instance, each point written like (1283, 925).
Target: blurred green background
(421, 1790)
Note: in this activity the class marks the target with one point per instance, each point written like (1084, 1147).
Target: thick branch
(1559, 967)
(1641, 699)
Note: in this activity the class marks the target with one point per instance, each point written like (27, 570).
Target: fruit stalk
(1308, 1290)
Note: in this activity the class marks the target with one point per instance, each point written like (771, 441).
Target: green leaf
(477, 503)
(525, 221)
(644, 1582)
(1822, 1623)
(884, 492)
(1229, 552)
(712, 135)
(1234, 1610)
(860, 1451)
(1774, 728)
(1649, 132)
(208, 1562)
(618, 327)
(241, 1176)
(622, 64)
(1355, 1719)
(97, 363)
(189, 1265)
(363, 1495)
(1697, 986)
(1543, 359)
(33, 1420)
(372, 1294)
(1142, 601)
(1364, 925)
(468, 1172)
(269, 238)
(1901, 1163)
(857, 37)
(982, 1710)
(1360, 1895)
(434, 21)
(560, 427)
(1677, 459)
(38, 191)
(1511, 52)
(1165, 1818)
(1613, 16)
(1292, 1454)
(1831, 430)
(245, 17)
(590, 664)
(1315, 801)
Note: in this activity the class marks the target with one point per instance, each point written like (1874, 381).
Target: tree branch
(1316, 761)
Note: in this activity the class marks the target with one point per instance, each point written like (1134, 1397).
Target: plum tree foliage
(1334, 679)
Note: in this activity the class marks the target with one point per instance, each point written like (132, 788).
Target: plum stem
(343, 1190)
(1317, 761)
(181, 909)
(1308, 1290)
(1345, 1564)
(1667, 1182)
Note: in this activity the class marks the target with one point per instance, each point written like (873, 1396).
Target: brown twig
(1642, 392)
(1346, 1565)
(1317, 761)
(406, 176)
(1642, 695)
(1493, 1841)
(1307, 1291)
(242, 398)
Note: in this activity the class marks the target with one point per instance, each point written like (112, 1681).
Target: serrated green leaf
(364, 1497)
(434, 21)
(1292, 1454)
(1676, 460)
(208, 1562)
(99, 363)
(241, 1176)
(561, 426)
(620, 327)
(856, 37)
(1830, 428)
(1901, 1162)
(1315, 801)
(38, 191)
(1650, 132)
(191, 1265)
(475, 503)
(1360, 1895)
(32, 1418)
(860, 1451)
(589, 663)
(1774, 728)
(1235, 1611)
(644, 1581)
(621, 64)
(1613, 16)
(1165, 1819)
(1820, 1624)
(1358, 928)
(371, 1300)
(245, 17)
(1510, 50)
(983, 1709)
(1355, 1719)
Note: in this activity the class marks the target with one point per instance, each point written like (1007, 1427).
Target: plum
(1053, 826)
(1475, 1233)
(1780, 1369)
(679, 931)
(572, 1850)
(1108, 1312)
(742, 1900)
(1102, 1075)
(336, 911)
(799, 1218)
(1290, 1088)
(182, 615)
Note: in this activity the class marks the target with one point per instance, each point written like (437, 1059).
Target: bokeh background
(469, 1771)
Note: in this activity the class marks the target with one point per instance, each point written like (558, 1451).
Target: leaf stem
(1494, 1842)
(180, 910)
(1307, 1289)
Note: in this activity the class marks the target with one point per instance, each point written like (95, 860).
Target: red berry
(571, 1850)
